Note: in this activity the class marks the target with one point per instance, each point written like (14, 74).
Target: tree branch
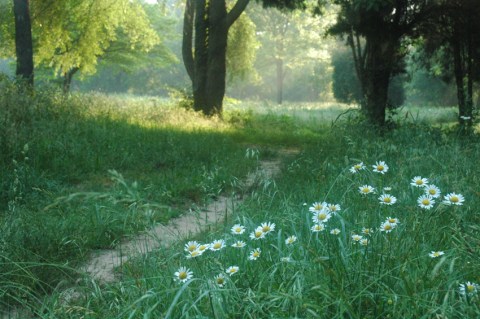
(236, 11)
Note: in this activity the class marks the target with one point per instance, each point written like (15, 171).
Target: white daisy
(286, 259)
(393, 220)
(387, 227)
(216, 245)
(367, 231)
(254, 254)
(191, 246)
(317, 207)
(290, 240)
(468, 289)
(335, 231)
(357, 167)
(238, 229)
(387, 189)
(232, 270)
(435, 254)
(419, 181)
(183, 274)
(425, 201)
(267, 227)
(239, 244)
(220, 280)
(432, 190)
(453, 199)
(257, 234)
(356, 238)
(317, 228)
(203, 247)
(333, 208)
(321, 217)
(195, 253)
(364, 241)
(387, 199)
(366, 189)
(380, 167)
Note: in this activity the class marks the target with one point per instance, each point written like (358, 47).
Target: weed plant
(363, 256)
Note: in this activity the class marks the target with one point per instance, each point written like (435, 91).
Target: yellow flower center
(432, 191)
(258, 234)
(233, 270)
(380, 168)
(366, 190)
(202, 247)
(357, 167)
(192, 248)
(419, 182)
(387, 200)
(220, 280)
(387, 227)
(217, 246)
(333, 208)
(318, 207)
(470, 288)
(238, 230)
(436, 254)
(266, 228)
(454, 199)
(322, 216)
(426, 202)
(392, 220)
(194, 253)
(256, 254)
(182, 275)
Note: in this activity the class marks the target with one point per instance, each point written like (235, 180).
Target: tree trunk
(67, 79)
(459, 77)
(187, 50)
(217, 56)
(207, 66)
(280, 78)
(23, 40)
(201, 56)
(378, 70)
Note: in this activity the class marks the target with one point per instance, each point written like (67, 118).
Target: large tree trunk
(23, 40)
(207, 66)
(378, 70)
(217, 55)
(459, 77)
(201, 56)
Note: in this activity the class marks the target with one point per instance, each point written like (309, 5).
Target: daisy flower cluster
(195, 249)
(327, 219)
(430, 196)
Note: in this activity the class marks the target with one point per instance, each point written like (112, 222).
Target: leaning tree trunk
(23, 40)
(67, 79)
(459, 78)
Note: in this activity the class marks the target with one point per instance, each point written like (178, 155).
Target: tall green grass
(322, 275)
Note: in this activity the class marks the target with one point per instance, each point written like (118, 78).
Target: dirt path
(103, 263)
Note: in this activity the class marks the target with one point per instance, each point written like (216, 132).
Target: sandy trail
(103, 263)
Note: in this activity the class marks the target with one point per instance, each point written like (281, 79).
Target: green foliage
(345, 84)
(241, 49)
(73, 34)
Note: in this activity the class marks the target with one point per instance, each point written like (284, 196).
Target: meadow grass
(327, 272)
(58, 209)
